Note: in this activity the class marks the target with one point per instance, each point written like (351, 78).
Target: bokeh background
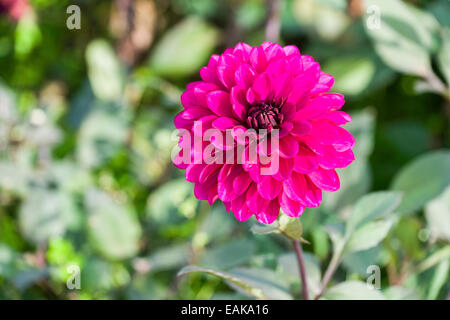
(86, 131)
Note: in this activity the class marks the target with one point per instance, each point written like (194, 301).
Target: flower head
(275, 101)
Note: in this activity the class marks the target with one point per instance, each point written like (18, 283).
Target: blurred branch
(355, 8)
(273, 23)
(125, 48)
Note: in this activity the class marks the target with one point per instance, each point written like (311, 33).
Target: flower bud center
(264, 115)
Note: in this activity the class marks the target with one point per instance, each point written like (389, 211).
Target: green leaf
(172, 200)
(371, 207)
(400, 293)
(259, 228)
(289, 266)
(444, 55)
(113, 228)
(437, 212)
(7, 261)
(166, 258)
(258, 283)
(184, 48)
(352, 290)
(440, 277)
(291, 227)
(105, 74)
(102, 134)
(46, 214)
(435, 258)
(422, 180)
(368, 236)
(231, 254)
(402, 40)
(352, 74)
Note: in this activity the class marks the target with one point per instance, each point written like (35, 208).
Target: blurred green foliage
(86, 135)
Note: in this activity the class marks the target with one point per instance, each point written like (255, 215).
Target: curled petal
(327, 180)
(290, 207)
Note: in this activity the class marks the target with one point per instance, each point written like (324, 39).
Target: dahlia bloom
(270, 95)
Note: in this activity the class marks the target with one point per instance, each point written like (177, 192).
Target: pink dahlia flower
(256, 94)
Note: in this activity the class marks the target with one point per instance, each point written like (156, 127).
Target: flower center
(264, 115)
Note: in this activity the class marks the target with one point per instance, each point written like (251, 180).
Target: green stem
(334, 263)
(302, 269)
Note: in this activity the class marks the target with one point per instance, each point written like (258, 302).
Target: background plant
(85, 140)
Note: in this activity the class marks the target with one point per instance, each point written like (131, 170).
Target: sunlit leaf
(422, 180)
(258, 283)
(105, 74)
(353, 290)
(231, 254)
(368, 236)
(371, 207)
(113, 228)
(437, 212)
(184, 48)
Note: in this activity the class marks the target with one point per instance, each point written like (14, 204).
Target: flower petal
(327, 180)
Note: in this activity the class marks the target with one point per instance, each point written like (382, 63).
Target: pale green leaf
(289, 266)
(373, 206)
(184, 48)
(113, 228)
(104, 70)
(353, 290)
(422, 180)
(437, 212)
(231, 254)
(368, 236)
(258, 283)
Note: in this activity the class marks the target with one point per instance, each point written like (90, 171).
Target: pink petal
(306, 160)
(300, 128)
(261, 87)
(258, 59)
(193, 171)
(324, 84)
(219, 102)
(269, 188)
(291, 50)
(269, 212)
(244, 75)
(285, 168)
(290, 207)
(241, 183)
(329, 133)
(288, 147)
(203, 124)
(274, 51)
(239, 102)
(224, 123)
(327, 180)
(320, 105)
(331, 159)
(338, 117)
(207, 171)
(240, 209)
(300, 188)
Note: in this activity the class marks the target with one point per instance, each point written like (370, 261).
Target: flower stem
(335, 259)
(302, 269)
